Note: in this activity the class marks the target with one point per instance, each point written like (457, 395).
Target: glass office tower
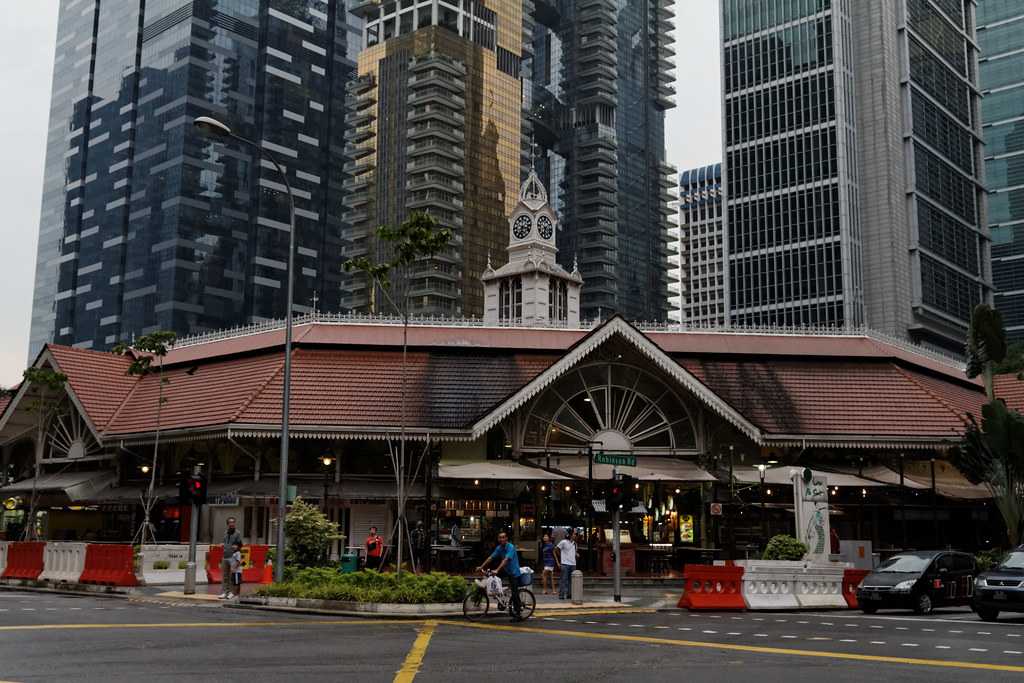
(702, 246)
(146, 224)
(1001, 38)
(601, 79)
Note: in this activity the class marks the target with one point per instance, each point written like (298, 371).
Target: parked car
(1002, 589)
(919, 581)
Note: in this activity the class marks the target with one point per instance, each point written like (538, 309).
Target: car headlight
(904, 586)
(980, 583)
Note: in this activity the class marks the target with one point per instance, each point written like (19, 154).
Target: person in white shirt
(565, 555)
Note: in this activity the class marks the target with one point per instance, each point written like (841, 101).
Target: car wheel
(988, 614)
(923, 604)
(868, 609)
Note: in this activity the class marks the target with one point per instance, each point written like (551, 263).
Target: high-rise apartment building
(852, 164)
(1001, 39)
(146, 224)
(600, 79)
(702, 246)
(435, 125)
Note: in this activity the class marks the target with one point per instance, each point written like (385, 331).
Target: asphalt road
(46, 637)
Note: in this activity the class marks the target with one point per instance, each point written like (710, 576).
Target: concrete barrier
(63, 562)
(174, 555)
(769, 584)
(821, 587)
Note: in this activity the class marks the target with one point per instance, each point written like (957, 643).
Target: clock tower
(532, 289)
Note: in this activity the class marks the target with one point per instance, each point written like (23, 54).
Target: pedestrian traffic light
(192, 489)
(615, 496)
(630, 493)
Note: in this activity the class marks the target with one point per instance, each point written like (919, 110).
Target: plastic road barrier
(3, 556)
(851, 582)
(711, 588)
(109, 565)
(821, 587)
(24, 560)
(253, 572)
(171, 559)
(63, 562)
(770, 586)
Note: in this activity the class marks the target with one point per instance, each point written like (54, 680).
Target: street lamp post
(217, 130)
(760, 470)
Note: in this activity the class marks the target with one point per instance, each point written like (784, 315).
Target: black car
(920, 581)
(1002, 589)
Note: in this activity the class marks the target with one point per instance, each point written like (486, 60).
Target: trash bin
(349, 563)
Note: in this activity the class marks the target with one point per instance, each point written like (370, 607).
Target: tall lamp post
(760, 470)
(218, 131)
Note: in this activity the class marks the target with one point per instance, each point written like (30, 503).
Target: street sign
(617, 460)
(716, 509)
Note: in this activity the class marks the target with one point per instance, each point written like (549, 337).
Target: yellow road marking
(745, 648)
(540, 612)
(413, 660)
(204, 624)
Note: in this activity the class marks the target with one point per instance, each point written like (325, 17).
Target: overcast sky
(28, 30)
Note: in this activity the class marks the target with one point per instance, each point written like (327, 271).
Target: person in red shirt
(374, 549)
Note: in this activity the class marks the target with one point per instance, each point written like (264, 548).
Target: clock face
(521, 228)
(544, 227)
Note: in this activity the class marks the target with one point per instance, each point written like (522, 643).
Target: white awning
(495, 469)
(949, 481)
(648, 468)
(781, 476)
(76, 485)
(883, 474)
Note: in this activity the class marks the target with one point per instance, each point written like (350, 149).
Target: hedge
(369, 586)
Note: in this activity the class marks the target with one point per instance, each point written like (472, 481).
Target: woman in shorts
(547, 552)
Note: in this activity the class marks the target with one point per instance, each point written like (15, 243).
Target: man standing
(565, 553)
(231, 537)
(374, 549)
(508, 565)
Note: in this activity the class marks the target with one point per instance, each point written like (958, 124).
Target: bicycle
(477, 603)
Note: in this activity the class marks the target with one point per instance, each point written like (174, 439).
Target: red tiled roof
(828, 397)
(99, 380)
(1011, 390)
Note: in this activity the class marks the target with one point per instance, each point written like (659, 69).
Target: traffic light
(630, 493)
(192, 489)
(615, 496)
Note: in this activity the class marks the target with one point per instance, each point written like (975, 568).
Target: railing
(447, 321)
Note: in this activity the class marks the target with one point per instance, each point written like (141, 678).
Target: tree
(986, 344)
(309, 535)
(992, 454)
(418, 238)
(1013, 363)
(48, 385)
(143, 351)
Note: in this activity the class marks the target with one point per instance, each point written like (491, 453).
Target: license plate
(999, 595)
(874, 596)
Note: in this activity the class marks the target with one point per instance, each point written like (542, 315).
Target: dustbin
(349, 563)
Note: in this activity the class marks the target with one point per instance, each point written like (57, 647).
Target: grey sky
(28, 30)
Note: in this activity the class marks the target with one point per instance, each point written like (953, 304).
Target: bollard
(577, 587)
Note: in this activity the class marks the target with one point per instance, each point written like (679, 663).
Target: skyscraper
(1001, 38)
(702, 247)
(436, 126)
(600, 82)
(145, 224)
(852, 145)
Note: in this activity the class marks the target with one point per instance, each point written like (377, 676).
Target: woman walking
(547, 553)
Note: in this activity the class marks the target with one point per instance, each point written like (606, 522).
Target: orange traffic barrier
(851, 581)
(24, 560)
(213, 559)
(109, 565)
(253, 572)
(712, 588)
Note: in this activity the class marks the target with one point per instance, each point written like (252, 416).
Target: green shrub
(784, 547)
(309, 535)
(161, 564)
(183, 564)
(987, 560)
(320, 583)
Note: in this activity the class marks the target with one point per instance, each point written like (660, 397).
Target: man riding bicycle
(508, 566)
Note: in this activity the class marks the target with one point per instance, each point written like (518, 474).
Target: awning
(77, 486)
(882, 474)
(781, 476)
(648, 468)
(949, 482)
(495, 469)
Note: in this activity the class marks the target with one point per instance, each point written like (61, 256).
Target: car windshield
(905, 564)
(1014, 560)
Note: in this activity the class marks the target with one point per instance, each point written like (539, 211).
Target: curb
(339, 613)
(77, 590)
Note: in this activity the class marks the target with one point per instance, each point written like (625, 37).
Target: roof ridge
(259, 390)
(927, 390)
(121, 405)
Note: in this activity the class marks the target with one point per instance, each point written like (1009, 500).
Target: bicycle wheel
(475, 605)
(528, 601)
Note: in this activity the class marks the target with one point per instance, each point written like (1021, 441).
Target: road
(46, 637)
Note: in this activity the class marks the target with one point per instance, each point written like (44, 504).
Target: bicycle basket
(525, 579)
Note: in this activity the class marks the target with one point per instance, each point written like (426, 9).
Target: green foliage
(418, 237)
(323, 583)
(987, 560)
(309, 534)
(161, 564)
(45, 379)
(145, 349)
(986, 339)
(183, 564)
(1014, 361)
(783, 547)
(992, 453)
